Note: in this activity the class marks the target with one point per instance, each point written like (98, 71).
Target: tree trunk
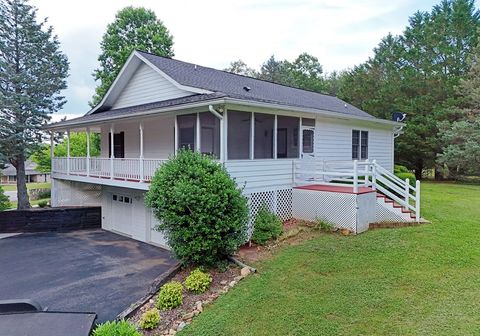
(419, 169)
(22, 193)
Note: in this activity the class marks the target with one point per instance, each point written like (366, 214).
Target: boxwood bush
(403, 173)
(267, 226)
(149, 319)
(200, 209)
(198, 281)
(116, 328)
(170, 296)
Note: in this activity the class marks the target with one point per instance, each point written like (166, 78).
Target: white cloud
(341, 33)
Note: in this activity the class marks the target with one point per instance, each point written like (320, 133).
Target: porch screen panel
(238, 135)
(287, 137)
(209, 134)
(263, 138)
(187, 124)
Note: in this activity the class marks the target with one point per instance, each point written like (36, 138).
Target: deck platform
(337, 189)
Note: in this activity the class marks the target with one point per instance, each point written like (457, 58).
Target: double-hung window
(359, 145)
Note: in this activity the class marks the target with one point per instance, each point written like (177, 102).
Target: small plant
(267, 226)
(170, 296)
(4, 200)
(43, 204)
(150, 319)
(323, 225)
(198, 281)
(116, 328)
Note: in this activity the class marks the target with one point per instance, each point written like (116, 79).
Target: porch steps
(388, 211)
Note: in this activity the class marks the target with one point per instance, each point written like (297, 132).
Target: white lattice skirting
(69, 193)
(346, 211)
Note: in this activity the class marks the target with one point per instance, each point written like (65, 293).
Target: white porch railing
(357, 174)
(134, 170)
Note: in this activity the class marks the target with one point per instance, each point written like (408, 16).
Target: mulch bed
(170, 319)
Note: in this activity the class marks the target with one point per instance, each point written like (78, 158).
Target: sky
(340, 33)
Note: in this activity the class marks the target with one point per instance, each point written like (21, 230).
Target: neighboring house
(9, 174)
(284, 146)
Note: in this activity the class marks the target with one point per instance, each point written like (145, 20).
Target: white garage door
(122, 213)
(156, 237)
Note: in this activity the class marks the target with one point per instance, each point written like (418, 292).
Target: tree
(32, 75)
(241, 68)
(306, 73)
(275, 71)
(416, 73)
(133, 29)
(78, 148)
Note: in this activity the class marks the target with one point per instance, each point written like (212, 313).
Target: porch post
(88, 151)
(355, 176)
(52, 152)
(374, 174)
(300, 139)
(176, 136)
(68, 152)
(275, 122)
(141, 152)
(198, 147)
(222, 140)
(252, 136)
(225, 135)
(112, 154)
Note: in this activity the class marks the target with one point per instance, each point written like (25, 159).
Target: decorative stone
(199, 306)
(232, 283)
(172, 332)
(223, 282)
(238, 278)
(195, 312)
(187, 316)
(245, 272)
(345, 232)
(181, 326)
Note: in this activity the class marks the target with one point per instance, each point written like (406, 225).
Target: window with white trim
(359, 145)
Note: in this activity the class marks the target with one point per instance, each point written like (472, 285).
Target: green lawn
(13, 205)
(421, 280)
(13, 187)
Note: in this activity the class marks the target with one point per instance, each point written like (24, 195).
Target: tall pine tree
(32, 74)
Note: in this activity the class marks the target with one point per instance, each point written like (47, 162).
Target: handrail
(349, 172)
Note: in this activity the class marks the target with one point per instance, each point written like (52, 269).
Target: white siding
(333, 141)
(147, 86)
(158, 138)
(261, 175)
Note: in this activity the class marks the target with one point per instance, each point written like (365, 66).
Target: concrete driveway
(94, 270)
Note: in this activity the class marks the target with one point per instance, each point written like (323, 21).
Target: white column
(252, 136)
(88, 151)
(112, 155)
(222, 139)
(300, 139)
(275, 137)
(176, 135)
(355, 176)
(225, 135)
(52, 152)
(141, 152)
(68, 151)
(417, 200)
(197, 145)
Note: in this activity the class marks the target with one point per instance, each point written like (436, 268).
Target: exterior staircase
(387, 210)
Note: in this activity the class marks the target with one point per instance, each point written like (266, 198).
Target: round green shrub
(149, 319)
(200, 209)
(267, 226)
(198, 281)
(170, 296)
(116, 328)
(400, 169)
(408, 175)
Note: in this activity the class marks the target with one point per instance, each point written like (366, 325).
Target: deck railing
(128, 169)
(358, 174)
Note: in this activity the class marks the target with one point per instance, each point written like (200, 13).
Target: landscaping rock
(223, 282)
(238, 278)
(172, 332)
(181, 326)
(245, 272)
(199, 306)
(187, 317)
(232, 283)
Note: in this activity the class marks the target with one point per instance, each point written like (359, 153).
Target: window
(263, 138)
(359, 145)
(308, 139)
(118, 145)
(209, 134)
(122, 199)
(308, 122)
(239, 124)
(287, 137)
(187, 131)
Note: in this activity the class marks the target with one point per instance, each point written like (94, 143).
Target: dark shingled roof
(233, 86)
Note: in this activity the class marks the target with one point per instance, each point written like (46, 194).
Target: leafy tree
(241, 68)
(416, 73)
(133, 28)
(306, 73)
(32, 74)
(275, 71)
(78, 148)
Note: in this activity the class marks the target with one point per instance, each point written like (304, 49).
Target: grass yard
(13, 187)
(13, 205)
(421, 280)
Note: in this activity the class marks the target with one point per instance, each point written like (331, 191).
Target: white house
(301, 153)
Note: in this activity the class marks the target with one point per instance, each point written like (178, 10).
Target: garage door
(156, 237)
(122, 213)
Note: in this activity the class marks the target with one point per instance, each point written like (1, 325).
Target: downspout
(397, 131)
(219, 116)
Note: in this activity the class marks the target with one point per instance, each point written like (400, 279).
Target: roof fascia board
(170, 79)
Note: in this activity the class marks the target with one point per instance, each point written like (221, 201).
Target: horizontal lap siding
(261, 175)
(146, 86)
(333, 141)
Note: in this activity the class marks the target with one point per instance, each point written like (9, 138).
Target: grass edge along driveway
(422, 280)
